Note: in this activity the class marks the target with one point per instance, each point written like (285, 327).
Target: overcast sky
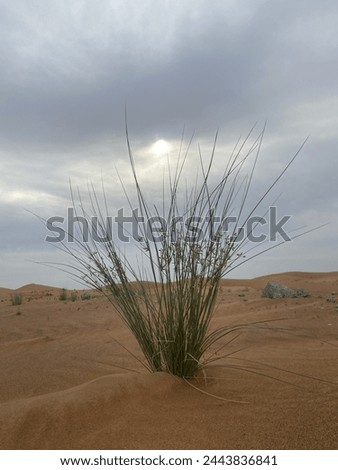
(68, 69)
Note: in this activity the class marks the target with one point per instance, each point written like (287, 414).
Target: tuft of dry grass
(16, 299)
(183, 261)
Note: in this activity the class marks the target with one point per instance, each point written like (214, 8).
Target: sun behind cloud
(160, 147)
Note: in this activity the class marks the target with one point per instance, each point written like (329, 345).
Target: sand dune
(65, 383)
(34, 288)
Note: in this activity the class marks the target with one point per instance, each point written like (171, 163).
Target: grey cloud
(202, 70)
(69, 69)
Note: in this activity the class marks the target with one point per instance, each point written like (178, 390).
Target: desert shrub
(170, 315)
(73, 296)
(63, 295)
(85, 296)
(16, 299)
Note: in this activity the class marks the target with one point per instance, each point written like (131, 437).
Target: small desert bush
(85, 296)
(73, 296)
(63, 295)
(16, 299)
(168, 300)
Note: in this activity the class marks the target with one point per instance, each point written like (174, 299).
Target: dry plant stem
(241, 402)
(170, 318)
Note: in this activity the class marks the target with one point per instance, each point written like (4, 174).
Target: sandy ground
(67, 383)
